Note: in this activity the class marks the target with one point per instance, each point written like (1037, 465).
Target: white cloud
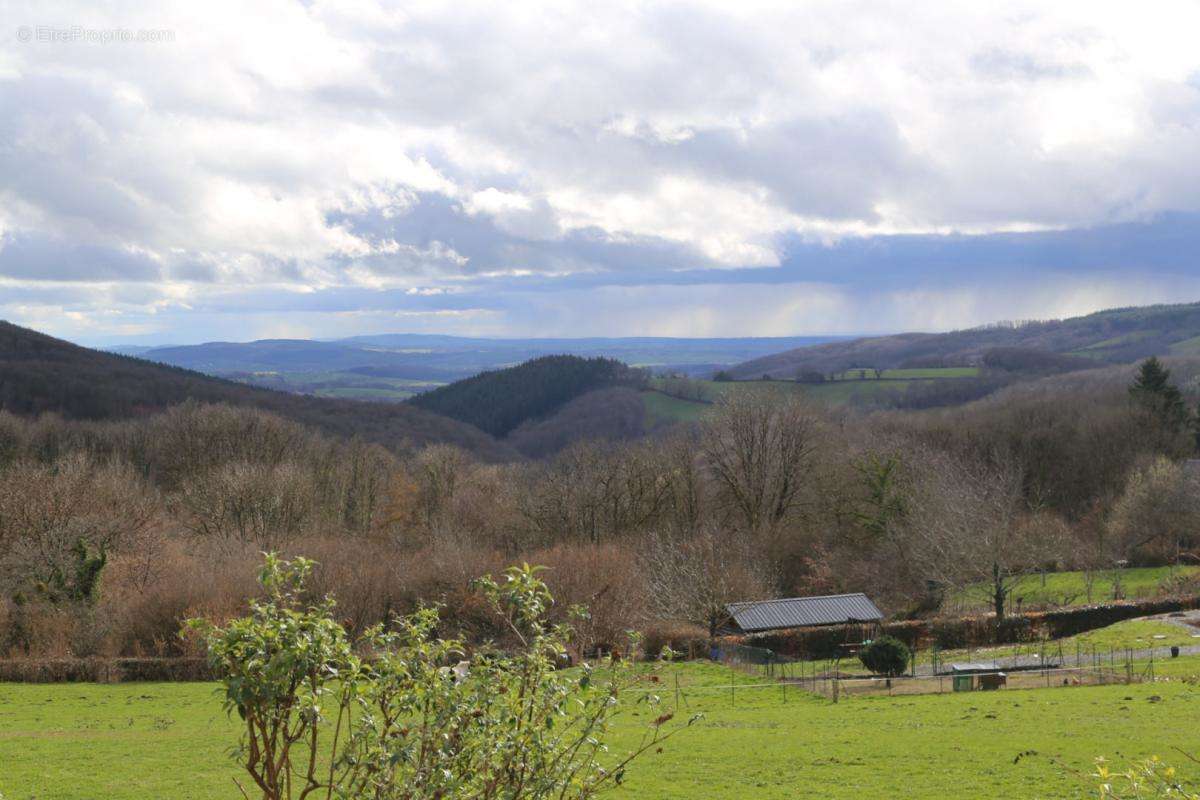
(323, 145)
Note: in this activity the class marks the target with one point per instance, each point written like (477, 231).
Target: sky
(186, 172)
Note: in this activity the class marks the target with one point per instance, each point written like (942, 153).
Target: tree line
(113, 532)
(498, 401)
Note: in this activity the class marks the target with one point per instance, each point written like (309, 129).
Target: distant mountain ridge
(1114, 336)
(447, 358)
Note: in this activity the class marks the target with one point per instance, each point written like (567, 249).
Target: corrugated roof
(979, 666)
(797, 612)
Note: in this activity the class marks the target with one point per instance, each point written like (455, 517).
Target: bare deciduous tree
(45, 509)
(1158, 514)
(971, 529)
(248, 503)
(694, 578)
(759, 449)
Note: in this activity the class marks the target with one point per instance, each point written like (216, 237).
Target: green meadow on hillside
(1107, 646)
(1187, 347)
(151, 741)
(1071, 588)
(846, 388)
(662, 408)
(929, 373)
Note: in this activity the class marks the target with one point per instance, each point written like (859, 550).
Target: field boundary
(104, 670)
(950, 633)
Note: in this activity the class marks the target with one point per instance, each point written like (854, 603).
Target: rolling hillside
(397, 366)
(499, 401)
(1113, 337)
(39, 373)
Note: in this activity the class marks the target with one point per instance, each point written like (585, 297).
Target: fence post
(835, 690)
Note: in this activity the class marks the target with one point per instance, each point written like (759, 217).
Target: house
(802, 612)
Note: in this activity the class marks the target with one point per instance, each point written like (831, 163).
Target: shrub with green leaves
(389, 717)
(1143, 780)
(886, 655)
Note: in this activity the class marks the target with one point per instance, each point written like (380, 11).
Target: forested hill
(498, 401)
(1105, 337)
(39, 373)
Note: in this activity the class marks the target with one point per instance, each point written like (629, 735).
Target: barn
(760, 616)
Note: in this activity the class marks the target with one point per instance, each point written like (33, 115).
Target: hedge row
(954, 633)
(99, 670)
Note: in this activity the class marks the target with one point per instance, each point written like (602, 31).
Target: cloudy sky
(196, 171)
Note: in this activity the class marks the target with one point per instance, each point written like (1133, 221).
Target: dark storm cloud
(488, 247)
(39, 258)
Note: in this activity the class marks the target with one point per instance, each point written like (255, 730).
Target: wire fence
(1046, 666)
(837, 687)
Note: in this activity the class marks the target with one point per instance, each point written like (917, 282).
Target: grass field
(842, 392)
(1134, 634)
(342, 385)
(662, 408)
(1128, 338)
(1070, 588)
(831, 393)
(910, 374)
(1187, 347)
(1138, 634)
(143, 741)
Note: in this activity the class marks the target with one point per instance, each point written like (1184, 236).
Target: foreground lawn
(144, 741)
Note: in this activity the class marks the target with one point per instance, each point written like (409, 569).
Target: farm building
(802, 612)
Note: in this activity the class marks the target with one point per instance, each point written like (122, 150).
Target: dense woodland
(498, 401)
(112, 531)
(39, 373)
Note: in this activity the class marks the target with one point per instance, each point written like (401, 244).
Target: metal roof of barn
(977, 667)
(798, 612)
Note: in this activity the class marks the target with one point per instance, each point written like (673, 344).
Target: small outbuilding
(980, 675)
(802, 612)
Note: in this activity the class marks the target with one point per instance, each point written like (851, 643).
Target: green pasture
(1187, 347)
(662, 408)
(929, 373)
(831, 393)
(144, 741)
(841, 392)
(1107, 643)
(1055, 589)
(344, 385)
(1124, 339)
(1138, 634)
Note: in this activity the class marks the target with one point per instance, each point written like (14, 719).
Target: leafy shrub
(404, 722)
(1141, 781)
(886, 655)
